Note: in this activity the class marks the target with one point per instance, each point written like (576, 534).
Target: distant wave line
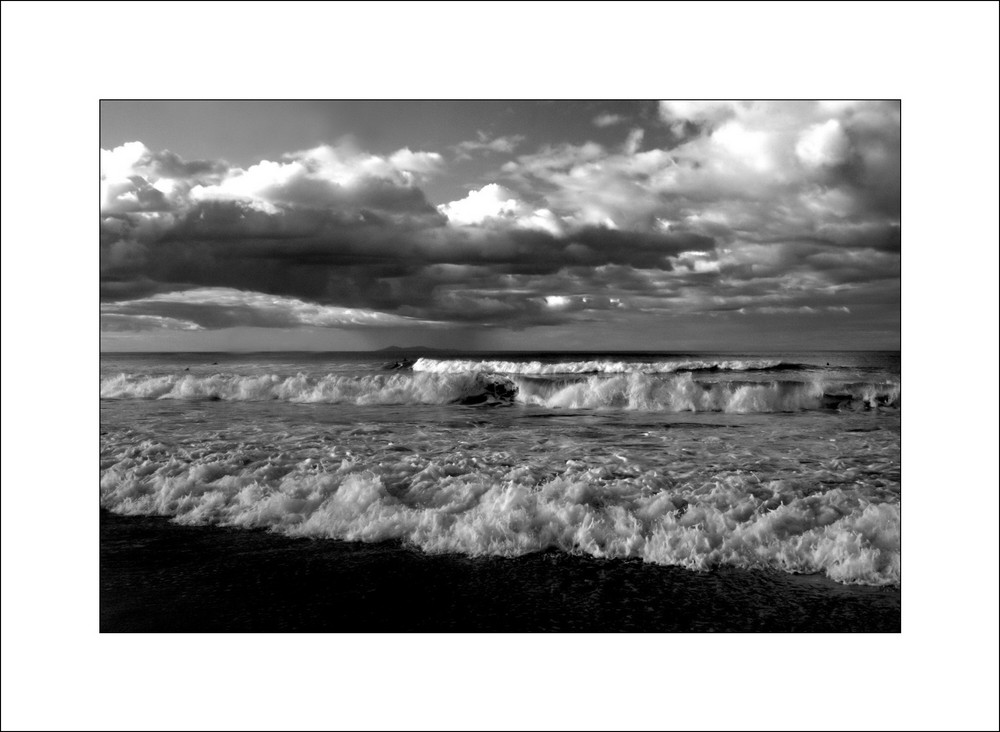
(678, 392)
(453, 366)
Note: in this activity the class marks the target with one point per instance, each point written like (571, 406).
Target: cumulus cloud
(489, 202)
(347, 233)
(684, 116)
(328, 176)
(484, 145)
(607, 119)
(420, 163)
(135, 179)
(823, 144)
(494, 204)
(741, 170)
(753, 209)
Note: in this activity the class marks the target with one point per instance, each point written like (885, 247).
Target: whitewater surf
(778, 464)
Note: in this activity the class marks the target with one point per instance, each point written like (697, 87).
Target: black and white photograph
(512, 365)
(500, 365)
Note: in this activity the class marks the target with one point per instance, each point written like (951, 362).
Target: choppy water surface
(786, 462)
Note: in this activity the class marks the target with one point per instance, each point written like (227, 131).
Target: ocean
(434, 491)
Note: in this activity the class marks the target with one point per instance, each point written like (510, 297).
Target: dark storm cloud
(384, 263)
(789, 209)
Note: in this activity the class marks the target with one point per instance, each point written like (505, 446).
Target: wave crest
(457, 505)
(457, 366)
(632, 391)
(683, 393)
(329, 388)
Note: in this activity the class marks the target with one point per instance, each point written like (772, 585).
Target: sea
(733, 482)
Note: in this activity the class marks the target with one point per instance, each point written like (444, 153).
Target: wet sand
(157, 576)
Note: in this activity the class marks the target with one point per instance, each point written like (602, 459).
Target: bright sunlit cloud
(693, 209)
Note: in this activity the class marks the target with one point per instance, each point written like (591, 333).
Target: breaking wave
(632, 391)
(683, 393)
(461, 505)
(329, 388)
(595, 367)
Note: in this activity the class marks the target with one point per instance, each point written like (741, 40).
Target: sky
(494, 225)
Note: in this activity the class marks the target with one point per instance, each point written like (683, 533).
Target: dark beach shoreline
(157, 576)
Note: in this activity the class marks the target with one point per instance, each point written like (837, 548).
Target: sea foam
(460, 504)
(632, 391)
(328, 388)
(457, 366)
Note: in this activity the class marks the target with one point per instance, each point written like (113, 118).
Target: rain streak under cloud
(640, 225)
